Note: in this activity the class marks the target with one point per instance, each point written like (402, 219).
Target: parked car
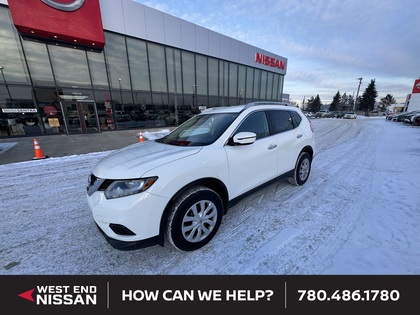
(415, 120)
(335, 114)
(406, 118)
(178, 187)
(320, 114)
(350, 115)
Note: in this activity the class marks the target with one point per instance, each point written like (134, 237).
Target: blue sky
(328, 44)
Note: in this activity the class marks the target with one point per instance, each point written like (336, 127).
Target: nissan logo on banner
(69, 7)
(76, 23)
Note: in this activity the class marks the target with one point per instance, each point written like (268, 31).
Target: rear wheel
(195, 218)
(302, 170)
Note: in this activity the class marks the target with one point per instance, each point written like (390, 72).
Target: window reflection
(38, 62)
(97, 69)
(139, 68)
(116, 57)
(70, 66)
(11, 56)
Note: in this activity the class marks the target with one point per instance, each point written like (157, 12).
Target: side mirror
(244, 138)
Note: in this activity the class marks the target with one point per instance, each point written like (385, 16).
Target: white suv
(179, 187)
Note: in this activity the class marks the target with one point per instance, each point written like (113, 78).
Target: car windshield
(199, 130)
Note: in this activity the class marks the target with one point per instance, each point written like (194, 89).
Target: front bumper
(129, 222)
(132, 245)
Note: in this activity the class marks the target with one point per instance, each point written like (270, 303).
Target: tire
(302, 170)
(186, 229)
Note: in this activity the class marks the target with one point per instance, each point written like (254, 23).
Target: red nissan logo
(69, 7)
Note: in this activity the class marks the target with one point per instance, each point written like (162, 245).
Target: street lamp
(240, 95)
(5, 82)
(119, 83)
(357, 95)
(194, 96)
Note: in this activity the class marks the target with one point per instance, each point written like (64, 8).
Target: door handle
(272, 146)
(299, 135)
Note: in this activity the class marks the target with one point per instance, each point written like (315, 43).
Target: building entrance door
(81, 116)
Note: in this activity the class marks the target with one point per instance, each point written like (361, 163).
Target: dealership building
(82, 66)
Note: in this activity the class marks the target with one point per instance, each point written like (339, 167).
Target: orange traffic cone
(141, 139)
(38, 151)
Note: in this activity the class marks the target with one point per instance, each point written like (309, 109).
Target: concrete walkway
(21, 149)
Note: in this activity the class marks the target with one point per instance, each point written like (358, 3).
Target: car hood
(136, 159)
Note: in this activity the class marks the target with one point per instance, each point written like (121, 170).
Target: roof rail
(264, 103)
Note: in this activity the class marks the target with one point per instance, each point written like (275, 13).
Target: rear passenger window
(296, 118)
(280, 121)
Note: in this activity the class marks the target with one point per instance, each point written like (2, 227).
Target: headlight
(127, 187)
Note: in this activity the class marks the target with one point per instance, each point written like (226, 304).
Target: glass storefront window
(270, 86)
(157, 68)
(116, 58)
(139, 67)
(201, 70)
(257, 84)
(97, 69)
(213, 77)
(70, 67)
(249, 83)
(263, 85)
(223, 83)
(39, 63)
(275, 87)
(241, 83)
(20, 117)
(173, 67)
(12, 61)
(233, 80)
(50, 110)
(188, 73)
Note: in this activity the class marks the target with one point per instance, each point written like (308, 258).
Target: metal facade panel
(188, 35)
(202, 40)
(224, 47)
(112, 15)
(134, 19)
(214, 44)
(172, 31)
(234, 49)
(155, 30)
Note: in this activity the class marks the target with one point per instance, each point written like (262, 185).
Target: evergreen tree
(350, 103)
(367, 101)
(336, 102)
(387, 101)
(309, 106)
(314, 104)
(343, 102)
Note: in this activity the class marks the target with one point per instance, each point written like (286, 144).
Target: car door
(287, 138)
(254, 164)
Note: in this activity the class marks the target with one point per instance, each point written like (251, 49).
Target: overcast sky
(329, 44)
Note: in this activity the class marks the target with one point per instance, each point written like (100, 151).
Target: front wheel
(195, 218)
(302, 170)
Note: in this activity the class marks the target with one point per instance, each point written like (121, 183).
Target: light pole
(119, 83)
(357, 94)
(194, 88)
(240, 95)
(5, 82)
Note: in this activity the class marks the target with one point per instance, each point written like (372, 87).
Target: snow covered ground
(359, 213)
